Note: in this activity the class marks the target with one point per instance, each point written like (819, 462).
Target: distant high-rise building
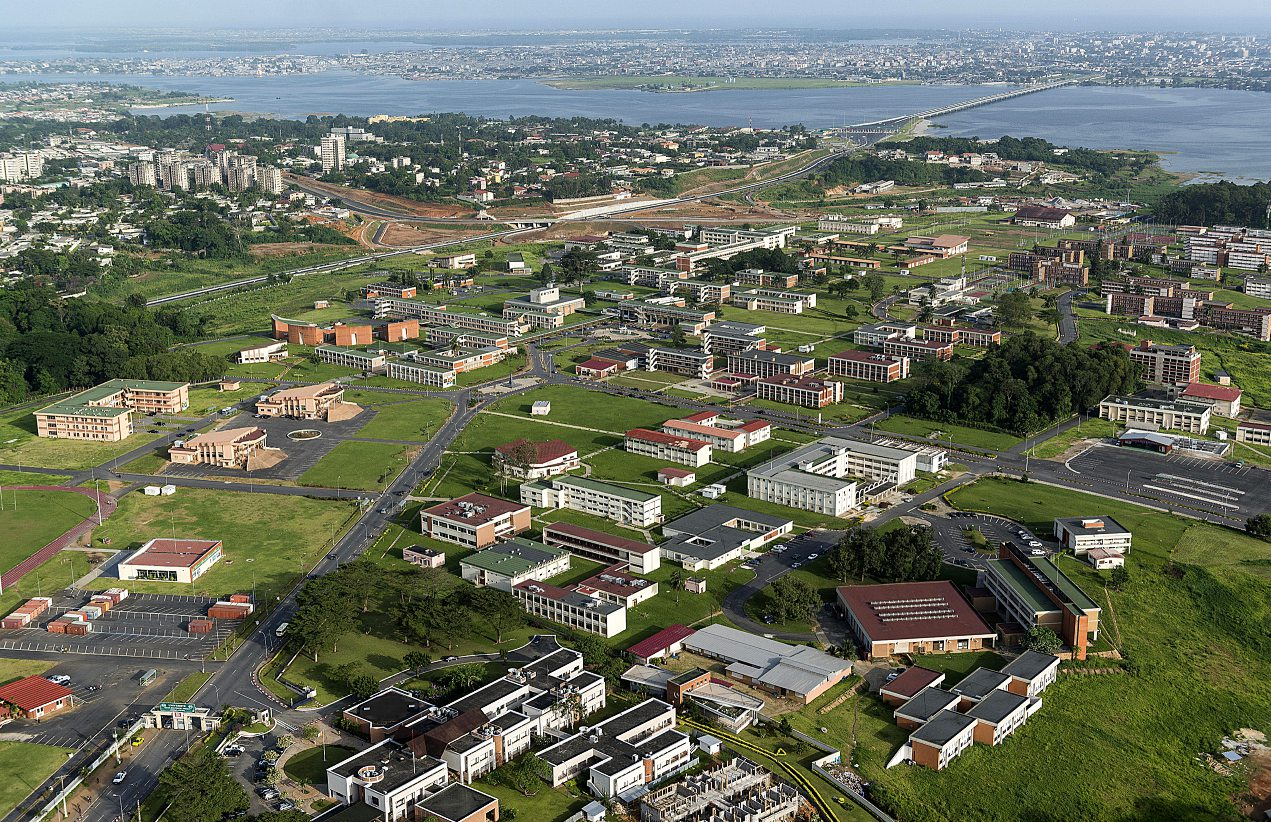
(239, 178)
(142, 174)
(331, 152)
(269, 179)
(24, 165)
(205, 174)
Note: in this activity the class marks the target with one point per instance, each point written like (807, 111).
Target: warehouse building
(172, 560)
(912, 617)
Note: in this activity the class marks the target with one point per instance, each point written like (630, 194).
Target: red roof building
(34, 697)
(912, 617)
(524, 459)
(1224, 399)
(906, 686)
(666, 641)
(595, 368)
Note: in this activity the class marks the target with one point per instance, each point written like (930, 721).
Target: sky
(1132, 15)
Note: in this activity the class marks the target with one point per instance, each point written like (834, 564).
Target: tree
(678, 339)
(522, 774)
(199, 787)
(324, 614)
(676, 583)
(358, 679)
(1013, 309)
(1120, 578)
(361, 579)
(876, 285)
(1259, 526)
(514, 459)
(498, 609)
(793, 598)
(1042, 639)
(416, 660)
(462, 677)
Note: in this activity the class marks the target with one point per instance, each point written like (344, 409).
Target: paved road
(1068, 317)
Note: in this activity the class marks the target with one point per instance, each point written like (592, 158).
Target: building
(918, 349)
(832, 475)
(399, 785)
(226, 448)
(1259, 287)
(1044, 217)
(573, 608)
(35, 697)
(505, 565)
(324, 401)
(350, 357)
(1223, 399)
(769, 363)
(686, 361)
(1084, 534)
(920, 708)
(1167, 364)
(587, 543)
(718, 534)
(909, 684)
(873, 336)
(266, 352)
(941, 739)
(171, 560)
(659, 445)
(625, 506)
(912, 617)
(774, 300)
(807, 392)
(998, 715)
(1031, 673)
(794, 671)
(869, 366)
(543, 308)
(433, 315)
(1253, 433)
(617, 586)
(104, 413)
(522, 459)
(1178, 415)
(1031, 591)
(728, 440)
(475, 520)
(943, 246)
(725, 337)
(632, 749)
(331, 152)
(668, 641)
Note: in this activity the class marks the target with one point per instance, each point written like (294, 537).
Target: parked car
(813, 556)
(1037, 552)
(119, 777)
(286, 805)
(137, 740)
(60, 679)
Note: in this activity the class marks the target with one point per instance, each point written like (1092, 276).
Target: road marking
(1196, 497)
(1190, 481)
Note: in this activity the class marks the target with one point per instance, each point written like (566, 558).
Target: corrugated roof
(32, 692)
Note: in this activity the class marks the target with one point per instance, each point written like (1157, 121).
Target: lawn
(578, 406)
(309, 767)
(30, 520)
(11, 669)
(947, 433)
(366, 466)
(545, 804)
(413, 421)
(19, 445)
(204, 401)
(1090, 429)
(26, 766)
(31, 478)
(189, 685)
(269, 539)
(1191, 623)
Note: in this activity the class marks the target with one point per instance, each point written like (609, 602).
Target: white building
(331, 151)
(505, 565)
(1084, 534)
(832, 475)
(623, 505)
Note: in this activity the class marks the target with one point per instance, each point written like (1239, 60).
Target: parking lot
(143, 625)
(1183, 479)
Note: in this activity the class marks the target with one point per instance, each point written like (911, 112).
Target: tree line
(1223, 203)
(1035, 149)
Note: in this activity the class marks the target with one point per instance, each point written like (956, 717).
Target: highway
(963, 106)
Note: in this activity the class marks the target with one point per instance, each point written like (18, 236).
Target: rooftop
(927, 703)
(454, 803)
(604, 488)
(666, 439)
(980, 683)
(225, 435)
(32, 692)
(1205, 391)
(474, 509)
(172, 553)
(943, 728)
(1084, 526)
(997, 706)
(912, 680)
(660, 641)
(514, 557)
(568, 529)
(1030, 665)
(388, 708)
(395, 763)
(543, 452)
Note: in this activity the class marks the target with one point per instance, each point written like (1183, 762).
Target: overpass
(956, 107)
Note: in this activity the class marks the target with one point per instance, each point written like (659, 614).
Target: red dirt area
(390, 201)
(265, 250)
(401, 235)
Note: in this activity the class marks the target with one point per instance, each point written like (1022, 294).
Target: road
(1068, 316)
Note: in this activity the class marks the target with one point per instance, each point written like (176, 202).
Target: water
(1214, 133)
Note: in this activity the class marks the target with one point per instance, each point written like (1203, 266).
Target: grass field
(366, 466)
(1191, 623)
(412, 420)
(11, 669)
(269, 539)
(30, 520)
(20, 446)
(189, 685)
(56, 573)
(26, 766)
(1090, 429)
(31, 478)
(309, 767)
(944, 432)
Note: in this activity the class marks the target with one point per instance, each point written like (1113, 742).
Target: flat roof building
(623, 505)
(912, 617)
(832, 475)
(171, 560)
(1032, 591)
(717, 534)
(1084, 534)
(475, 520)
(941, 739)
(227, 448)
(104, 413)
(806, 392)
(572, 607)
(504, 565)
(1178, 415)
(589, 543)
(869, 365)
(1031, 673)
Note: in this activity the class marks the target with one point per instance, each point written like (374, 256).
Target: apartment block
(104, 413)
(1177, 415)
(507, 564)
(768, 299)
(637, 747)
(807, 392)
(918, 349)
(588, 543)
(475, 520)
(768, 363)
(623, 505)
(542, 308)
(422, 374)
(669, 447)
(869, 366)
(724, 338)
(440, 316)
(572, 608)
(1167, 364)
(350, 357)
(1254, 433)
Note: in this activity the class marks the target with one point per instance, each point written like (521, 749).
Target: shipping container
(91, 611)
(117, 594)
(240, 598)
(35, 606)
(229, 610)
(79, 615)
(200, 626)
(78, 628)
(102, 601)
(15, 621)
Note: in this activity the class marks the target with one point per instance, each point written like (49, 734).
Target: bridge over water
(877, 126)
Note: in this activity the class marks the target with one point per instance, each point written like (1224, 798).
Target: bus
(282, 629)
(147, 676)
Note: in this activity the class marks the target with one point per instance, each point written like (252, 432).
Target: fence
(833, 756)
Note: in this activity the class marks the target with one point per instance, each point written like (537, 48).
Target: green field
(58, 572)
(26, 766)
(309, 767)
(1191, 624)
(11, 669)
(269, 539)
(945, 432)
(366, 466)
(189, 685)
(1089, 429)
(30, 520)
(395, 419)
(20, 446)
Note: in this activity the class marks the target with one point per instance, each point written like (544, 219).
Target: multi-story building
(830, 476)
(1223, 399)
(1177, 415)
(875, 335)
(331, 152)
(506, 564)
(269, 180)
(422, 374)
(662, 314)
(1084, 534)
(767, 363)
(640, 557)
(723, 338)
(687, 361)
(475, 520)
(324, 401)
(912, 617)
(941, 739)
(659, 445)
(350, 357)
(711, 537)
(918, 349)
(770, 299)
(869, 365)
(1259, 287)
(1253, 433)
(227, 448)
(700, 292)
(623, 505)
(104, 413)
(1032, 591)
(637, 747)
(434, 315)
(523, 459)
(1167, 364)
(757, 276)
(808, 392)
(543, 308)
(571, 607)
(142, 174)
(264, 352)
(21, 166)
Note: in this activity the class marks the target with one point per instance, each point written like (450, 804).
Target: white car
(119, 777)
(60, 679)
(812, 556)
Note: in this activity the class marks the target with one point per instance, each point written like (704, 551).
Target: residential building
(832, 475)
(943, 246)
(670, 312)
(34, 697)
(685, 361)
(625, 506)
(870, 366)
(736, 791)
(506, 564)
(573, 608)
(757, 276)
(909, 684)
(637, 747)
(441, 316)
(920, 708)
(918, 349)
(331, 153)
(324, 401)
(1259, 287)
(793, 671)
(770, 299)
(226, 448)
(475, 520)
(1031, 591)
(350, 357)
(1031, 673)
(1167, 364)
(543, 308)
(723, 338)
(912, 617)
(768, 363)
(1084, 534)
(941, 739)
(388, 777)
(1253, 433)
(171, 560)
(718, 534)
(808, 392)
(670, 447)
(1178, 415)
(640, 557)
(875, 335)
(998, 715)
(1223, 399)
(266, 352)
(728, 440)
(615, 585)
(978, 685)
(522, 459)
(104, 413)
(1044, 217)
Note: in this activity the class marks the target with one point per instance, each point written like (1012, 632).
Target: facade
(523, 459)
(909, 684)
(830, 476)
(1031, 591)
(171, 560)
(687, 361)
(543, 308)
(774, 300)
(430, 314)
(350, 357)
(104, 413)
(306, 402)
(769, 363)
(1167, 364)
(869, 366)
(267, 352)
(808, 392)
(572, 607)
(475, 520)
(1044, 217)
(943, 246)
(227, 448)
(625, 506)
(912, 617)
(728, 440)
(331, 153)
(1178, 415)
(35, 697)
(918, 349)
(1031, 673)
(1223, 399)
(873, 336)
(941, 739)
(670, 447)
(603, 547)
(1254, 433)
(505, 565)
(422, 374)
(1084, 534)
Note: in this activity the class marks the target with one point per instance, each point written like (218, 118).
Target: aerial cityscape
(703, 414)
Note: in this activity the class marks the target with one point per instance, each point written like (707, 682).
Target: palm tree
(676, 582)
